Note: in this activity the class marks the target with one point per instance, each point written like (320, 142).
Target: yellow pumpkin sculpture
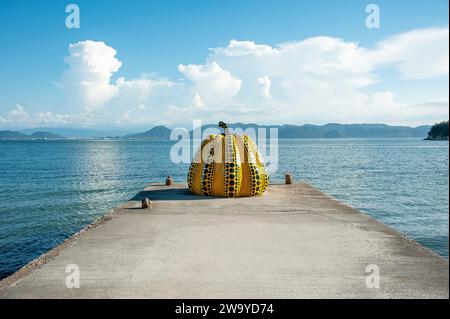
(227, 165)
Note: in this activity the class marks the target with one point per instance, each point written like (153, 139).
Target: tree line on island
(438, 131)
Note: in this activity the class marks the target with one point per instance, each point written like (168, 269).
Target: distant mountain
(334, 130)
(20, 136)
(438, 131)
(331, 130)
(42, 134)
(78, 132)
(156, 133)
(11, 135)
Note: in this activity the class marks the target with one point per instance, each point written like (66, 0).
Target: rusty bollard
(169, 180)
(146, 203)
(288, 178)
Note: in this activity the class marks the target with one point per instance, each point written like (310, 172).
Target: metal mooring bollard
(146, 203)
(288, 178)
(169, 180)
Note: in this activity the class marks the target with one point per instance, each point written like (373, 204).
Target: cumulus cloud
(242, 48)
(211, 81)
(17, 113)
(198, 102)
(265, 83)
(317, 80)
(18, 116)
(418, 54)
(88, 83)
(301, 77)
(90, 67)
(324, 79)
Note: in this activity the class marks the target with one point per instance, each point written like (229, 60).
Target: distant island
(332, 130)
(161, 132)
(14, 135)
(438, 131)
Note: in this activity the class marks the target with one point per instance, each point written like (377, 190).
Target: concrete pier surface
(293, 242)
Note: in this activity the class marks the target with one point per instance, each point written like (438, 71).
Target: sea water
(51, 189)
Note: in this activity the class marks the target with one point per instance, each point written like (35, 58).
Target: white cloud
(324, 79)
(91, 65)
(241, 48)
(316, 80)
(211, 81)
(265, 83)
(429, 112)
(198, 102)
(418, 54)
(18, 116)
(17, 113)
(305, 77)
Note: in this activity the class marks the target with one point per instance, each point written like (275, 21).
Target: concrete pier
(293, 242)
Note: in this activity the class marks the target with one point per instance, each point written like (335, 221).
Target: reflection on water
(51, 189)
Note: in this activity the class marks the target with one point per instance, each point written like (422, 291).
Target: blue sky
(152, 38)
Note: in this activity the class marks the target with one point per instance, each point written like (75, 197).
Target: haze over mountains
(160, 132)
(79, 132)
(34, 135)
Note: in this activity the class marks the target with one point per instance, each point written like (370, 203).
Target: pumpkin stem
(224, 126)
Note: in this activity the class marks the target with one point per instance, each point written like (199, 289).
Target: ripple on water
(50, 190)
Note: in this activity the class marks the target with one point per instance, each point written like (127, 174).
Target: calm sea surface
(51, 189)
